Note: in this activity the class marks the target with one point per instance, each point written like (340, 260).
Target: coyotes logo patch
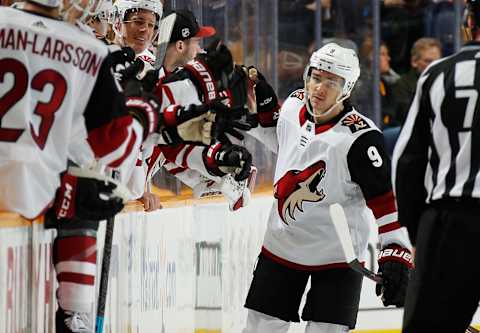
(298, 186)
(300, 93)
(355, 123)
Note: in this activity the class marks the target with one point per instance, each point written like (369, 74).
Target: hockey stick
(341, 227)
(164, 35)
(102, 293)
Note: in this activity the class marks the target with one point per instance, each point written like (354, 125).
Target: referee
(436, 177)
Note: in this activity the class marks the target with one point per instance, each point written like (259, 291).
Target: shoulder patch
(355, 123)
(298, 94)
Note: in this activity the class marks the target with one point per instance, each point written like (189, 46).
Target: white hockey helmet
(105, 11)
(121, 7)
(337, 60)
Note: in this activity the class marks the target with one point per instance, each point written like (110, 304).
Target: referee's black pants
(444, 292)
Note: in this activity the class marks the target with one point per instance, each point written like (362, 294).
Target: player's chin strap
(325, 114)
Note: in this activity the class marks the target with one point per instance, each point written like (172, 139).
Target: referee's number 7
(464, 80)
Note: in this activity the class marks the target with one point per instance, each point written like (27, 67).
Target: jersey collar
(304, 115)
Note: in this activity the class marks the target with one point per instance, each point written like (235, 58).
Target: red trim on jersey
(177, 170)
(382, 205)
(139, 162)
(302, 115)
(318, 128)
(169, 94)
(389, 227)
(128, 151)
(323, 128)
(301, 267)
(170, 115)
(152, 159)
(171, 152)
(106, 139)
(76, 278)
(185, 155)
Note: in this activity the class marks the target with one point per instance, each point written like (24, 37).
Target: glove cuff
(210, 159)
(145, 113)
(170, 136)
(65, 199)
(268, 118)
(395, 252)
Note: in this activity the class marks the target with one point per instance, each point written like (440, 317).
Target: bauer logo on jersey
(297, 186)
(355, 122)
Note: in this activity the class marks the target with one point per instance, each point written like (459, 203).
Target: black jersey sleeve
(369, 165)
(106, 101)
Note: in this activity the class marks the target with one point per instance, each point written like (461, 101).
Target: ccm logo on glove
(66, 202)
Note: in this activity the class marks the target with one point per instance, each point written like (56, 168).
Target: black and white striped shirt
(437, 155)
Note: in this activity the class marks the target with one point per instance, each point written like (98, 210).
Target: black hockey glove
(267, 101)
(219, 61)
(395, 264)
(143, 106)
(228, 121)
(86, 198)
(201, 123)
(120, 59)
(222, 159)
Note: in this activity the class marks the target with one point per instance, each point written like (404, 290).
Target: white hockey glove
(237, 193)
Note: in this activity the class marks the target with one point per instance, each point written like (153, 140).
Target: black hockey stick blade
(339, 220)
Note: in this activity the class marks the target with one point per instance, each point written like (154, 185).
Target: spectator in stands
(402, 25)
(424, 51)
(388, 77)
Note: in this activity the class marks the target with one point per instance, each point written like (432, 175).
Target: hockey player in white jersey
(192, 85)
(55, 76)
(327, 153)
(135, 23)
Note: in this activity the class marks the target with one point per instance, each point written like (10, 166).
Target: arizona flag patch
(355, 123)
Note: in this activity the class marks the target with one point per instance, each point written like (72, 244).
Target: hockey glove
(227, 121)
(142, 106)
(120, 59)
(395, 264)
(237, 193)
(201, 123)
(86, 198)
(218, 59)
(221, 159)
(267, 101)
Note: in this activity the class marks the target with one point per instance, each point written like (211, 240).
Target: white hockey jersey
(343, 162)
(54, 75)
